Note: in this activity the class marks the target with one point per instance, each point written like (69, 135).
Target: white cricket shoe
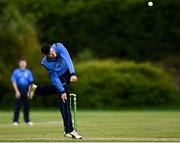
(15, 123)
(31, 91)
(73, 134)
(29, 123)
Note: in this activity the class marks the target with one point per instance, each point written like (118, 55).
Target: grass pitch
(103, 126)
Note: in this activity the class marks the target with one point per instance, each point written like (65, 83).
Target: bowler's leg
(66, 113)
(48, 89)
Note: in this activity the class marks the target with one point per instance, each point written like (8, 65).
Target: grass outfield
(95, 126)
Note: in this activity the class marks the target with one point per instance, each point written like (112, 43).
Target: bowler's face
(52, 53)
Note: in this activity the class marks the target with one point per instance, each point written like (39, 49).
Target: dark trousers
(50, 89)
(18, 102)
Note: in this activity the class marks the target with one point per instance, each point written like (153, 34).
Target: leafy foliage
(109, 84)
(94, 29)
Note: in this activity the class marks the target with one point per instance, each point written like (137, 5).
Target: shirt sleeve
(31, 79)
(13, 76)
(56, 82)
(65, 55)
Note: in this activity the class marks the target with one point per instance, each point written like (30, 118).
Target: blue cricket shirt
(59, 65)
(23, 79)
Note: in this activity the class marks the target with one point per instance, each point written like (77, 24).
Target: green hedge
(114, 85)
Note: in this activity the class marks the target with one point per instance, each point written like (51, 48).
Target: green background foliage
(115, 84)
(126, 30)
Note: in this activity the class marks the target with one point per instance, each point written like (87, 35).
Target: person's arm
(17, 93)
(30, 77)
(57, 83)
(65, 55)
(13, 80)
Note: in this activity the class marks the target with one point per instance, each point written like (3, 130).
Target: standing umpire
(21, 79)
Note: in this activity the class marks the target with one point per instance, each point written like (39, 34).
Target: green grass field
(104, 126)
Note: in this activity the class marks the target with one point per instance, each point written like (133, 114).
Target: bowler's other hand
(73, 78)
(64, 97)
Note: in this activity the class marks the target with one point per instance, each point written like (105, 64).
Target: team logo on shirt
(25, 74)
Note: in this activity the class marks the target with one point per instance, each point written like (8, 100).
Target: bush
(114, 85)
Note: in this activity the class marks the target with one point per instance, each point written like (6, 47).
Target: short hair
(22, 59)
(45, 48)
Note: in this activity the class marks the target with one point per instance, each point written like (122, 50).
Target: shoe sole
(72, 136)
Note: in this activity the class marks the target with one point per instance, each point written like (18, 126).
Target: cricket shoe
(31, 91)
(29, 123)
(73, 135)
(15, 123)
